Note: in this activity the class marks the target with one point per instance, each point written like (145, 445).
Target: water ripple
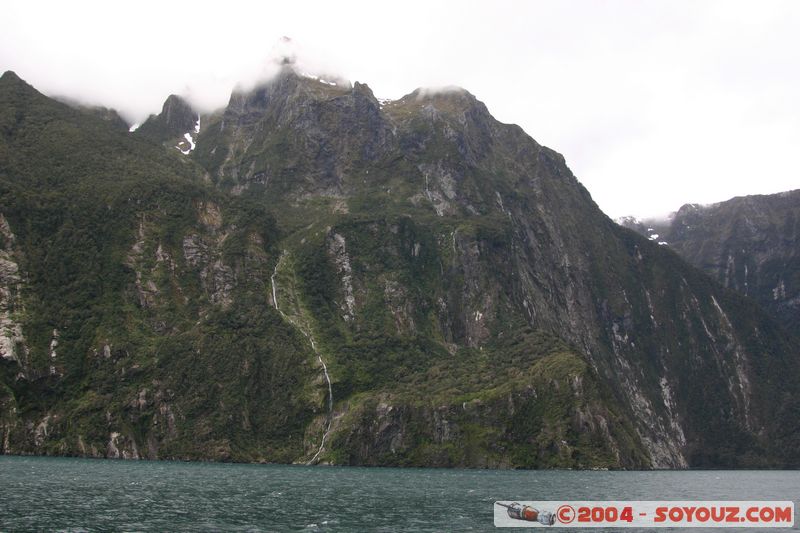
(82, 495)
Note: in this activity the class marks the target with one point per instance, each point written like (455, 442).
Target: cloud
(653, 104)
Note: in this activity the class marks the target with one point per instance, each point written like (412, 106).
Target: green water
(39, 493)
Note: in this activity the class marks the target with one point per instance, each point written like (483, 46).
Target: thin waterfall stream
(313, 347)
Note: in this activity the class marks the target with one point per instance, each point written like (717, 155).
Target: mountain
(109, 115)
(750, 244)
(175, 125)
(331, 278)
(105, 113)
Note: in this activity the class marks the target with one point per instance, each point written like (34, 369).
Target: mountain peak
(177, 111)
(177, 118)
(291, 85)
(10, 76)
(288, 60)
(10, 79)
(449, 100)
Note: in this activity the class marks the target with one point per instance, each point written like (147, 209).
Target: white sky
(653, 103)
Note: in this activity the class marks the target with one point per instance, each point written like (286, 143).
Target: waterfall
(310, 338)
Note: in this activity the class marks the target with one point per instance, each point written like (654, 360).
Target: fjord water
(64, 494)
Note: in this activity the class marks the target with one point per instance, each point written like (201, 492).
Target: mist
(653, 104)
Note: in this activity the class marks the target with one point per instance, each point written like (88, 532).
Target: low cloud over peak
(647, 101)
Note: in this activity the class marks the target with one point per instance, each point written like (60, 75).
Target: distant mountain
(330, 278)
(109, 115)
(750, 244)
(177, 124)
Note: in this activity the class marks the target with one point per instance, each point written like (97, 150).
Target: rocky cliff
(750, 244)
(326, 277)
(176, 126)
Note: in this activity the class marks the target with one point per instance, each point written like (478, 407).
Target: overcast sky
(653, 103)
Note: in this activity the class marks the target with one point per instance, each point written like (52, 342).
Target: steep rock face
(12, 340)
(550, 414)
(489, 233)
(750, 244)
(146, 331)
(177, 125)
(294, 135)
(468, 301)
(13, 347)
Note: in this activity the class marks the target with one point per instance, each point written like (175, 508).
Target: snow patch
(134, 127)
(319, 79)
(190, 140)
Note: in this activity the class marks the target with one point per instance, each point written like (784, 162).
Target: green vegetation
(100, 219)
(473, 306)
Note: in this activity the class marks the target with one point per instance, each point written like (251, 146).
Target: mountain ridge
(473, 304)
(747, 243)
